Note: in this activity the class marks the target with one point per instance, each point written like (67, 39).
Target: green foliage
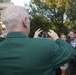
(39, 22)
(71, 14)
(49, 14)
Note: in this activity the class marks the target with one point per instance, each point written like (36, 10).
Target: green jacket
(21, 55)
(1, 39)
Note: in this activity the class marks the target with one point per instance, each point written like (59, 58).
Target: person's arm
(62, 52)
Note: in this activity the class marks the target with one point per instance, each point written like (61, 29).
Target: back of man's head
(13, 17)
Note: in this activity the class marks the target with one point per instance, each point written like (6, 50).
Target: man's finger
(39, 29)
(51, 31)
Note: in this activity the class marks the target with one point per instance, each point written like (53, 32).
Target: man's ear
(24, 22)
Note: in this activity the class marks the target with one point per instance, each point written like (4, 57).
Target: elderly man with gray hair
(21, 55)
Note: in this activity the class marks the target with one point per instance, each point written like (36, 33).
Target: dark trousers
(58, 71)
(72, 67)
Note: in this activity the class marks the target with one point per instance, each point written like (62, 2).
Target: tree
(39, 22)
(57, 12)
(71, 14)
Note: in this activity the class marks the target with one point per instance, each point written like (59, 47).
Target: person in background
(65, 67)
(21, 55)
(71, 38)
(4, 33)
(0, 29)
(1, 38)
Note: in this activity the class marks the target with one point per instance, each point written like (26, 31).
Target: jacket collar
(16, 35)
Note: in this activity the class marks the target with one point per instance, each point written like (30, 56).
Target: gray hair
(13, 15)
(7, 19)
